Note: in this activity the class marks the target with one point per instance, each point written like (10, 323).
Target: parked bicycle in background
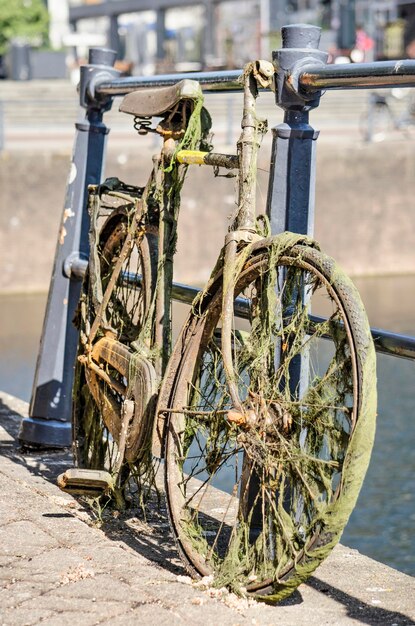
(388, 114)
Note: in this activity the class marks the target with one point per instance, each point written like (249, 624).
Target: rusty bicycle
(263, 411)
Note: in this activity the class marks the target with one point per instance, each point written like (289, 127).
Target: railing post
(49, 424)
(290, 201)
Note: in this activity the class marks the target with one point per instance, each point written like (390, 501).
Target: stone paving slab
(58, 567)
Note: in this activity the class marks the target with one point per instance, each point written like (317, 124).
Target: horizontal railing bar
(210, 81)
(186, 294)
(393, 344)
(359, 75)
(386, 342)
(380, 74)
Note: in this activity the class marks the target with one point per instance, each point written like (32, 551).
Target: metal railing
(386, 342)
(379, 74)
(301, 74)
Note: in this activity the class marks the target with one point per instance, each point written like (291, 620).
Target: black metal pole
(290, 201)
(49, 424)
(113, 39)
(160, 35)
(208, 39)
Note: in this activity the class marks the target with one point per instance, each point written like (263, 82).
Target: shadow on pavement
(149, 535)
(357, 609)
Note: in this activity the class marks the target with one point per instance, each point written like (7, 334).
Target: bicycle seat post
(49, 423)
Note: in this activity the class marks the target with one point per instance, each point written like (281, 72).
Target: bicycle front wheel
(259, 497)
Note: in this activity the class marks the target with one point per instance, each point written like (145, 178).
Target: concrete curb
(59, 567)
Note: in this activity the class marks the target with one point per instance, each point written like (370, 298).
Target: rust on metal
(106, 403)
(101, 373)
(244, 419)
(127, 416)
(229, 161)
(113, 352)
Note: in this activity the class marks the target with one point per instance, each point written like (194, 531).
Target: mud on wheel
(259, 498)
(110, 378)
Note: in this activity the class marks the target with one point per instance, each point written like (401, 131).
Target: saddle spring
(143, 125)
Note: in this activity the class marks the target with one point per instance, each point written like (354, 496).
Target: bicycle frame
(301, 74)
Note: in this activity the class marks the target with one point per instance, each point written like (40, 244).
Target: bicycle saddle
(160, 100)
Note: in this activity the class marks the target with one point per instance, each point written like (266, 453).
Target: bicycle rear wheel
(259, 499)
(110, 378)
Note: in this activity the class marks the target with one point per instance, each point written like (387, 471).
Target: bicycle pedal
(85, 482)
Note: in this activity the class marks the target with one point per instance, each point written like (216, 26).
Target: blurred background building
(183, 35)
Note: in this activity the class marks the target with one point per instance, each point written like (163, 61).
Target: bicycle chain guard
(138, 406)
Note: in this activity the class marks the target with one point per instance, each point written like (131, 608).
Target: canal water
(382, 525)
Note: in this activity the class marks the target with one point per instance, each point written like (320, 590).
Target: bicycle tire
(95, 440)
(267, 544)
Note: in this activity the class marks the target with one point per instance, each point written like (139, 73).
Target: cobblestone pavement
(57, 566)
